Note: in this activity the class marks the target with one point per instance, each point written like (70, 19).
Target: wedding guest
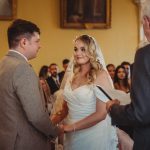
(53, 80)
(111, 70)
(65, 63)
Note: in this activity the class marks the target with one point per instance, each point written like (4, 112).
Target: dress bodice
(82, 100)
(82, 103)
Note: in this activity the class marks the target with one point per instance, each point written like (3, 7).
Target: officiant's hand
(110, 103)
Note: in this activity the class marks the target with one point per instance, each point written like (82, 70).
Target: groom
(137, 113)
(24, 121)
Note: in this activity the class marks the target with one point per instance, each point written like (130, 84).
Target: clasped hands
(64, 128)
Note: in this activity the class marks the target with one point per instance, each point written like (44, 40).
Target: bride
(87, 124)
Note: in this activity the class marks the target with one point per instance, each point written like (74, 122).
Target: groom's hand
(61, 129)
(110, 103)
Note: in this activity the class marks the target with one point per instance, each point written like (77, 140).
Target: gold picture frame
(85, 14)
(8, 9)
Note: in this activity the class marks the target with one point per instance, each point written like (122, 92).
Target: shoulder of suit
(143, 49)
(24, 65)
(143, 52)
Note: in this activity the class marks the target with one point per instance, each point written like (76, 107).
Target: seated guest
(54, 80)
(127, 67)
(49, 99)
(65, 63)
(43, 73)
(121, 83)
(121, 79)
(111, 70)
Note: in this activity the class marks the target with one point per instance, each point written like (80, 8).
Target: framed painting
(85, 14)
(7, 9)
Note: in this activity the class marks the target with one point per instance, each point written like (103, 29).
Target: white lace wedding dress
(82, 102)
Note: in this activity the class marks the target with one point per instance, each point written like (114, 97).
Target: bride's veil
(100, 58)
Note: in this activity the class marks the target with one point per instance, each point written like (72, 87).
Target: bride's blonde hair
(91, 53)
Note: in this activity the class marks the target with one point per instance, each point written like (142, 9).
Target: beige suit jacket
(24, 122)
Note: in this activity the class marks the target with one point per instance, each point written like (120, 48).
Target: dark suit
(61, 75)
(24, 122)
(137, 114)
(52, 84)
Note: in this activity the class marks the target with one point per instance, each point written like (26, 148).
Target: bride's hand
(69, 128)
(110, 103)
(61, 129)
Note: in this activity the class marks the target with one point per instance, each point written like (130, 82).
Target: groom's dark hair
(18, 29)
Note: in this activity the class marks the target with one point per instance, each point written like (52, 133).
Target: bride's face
(80, 53)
